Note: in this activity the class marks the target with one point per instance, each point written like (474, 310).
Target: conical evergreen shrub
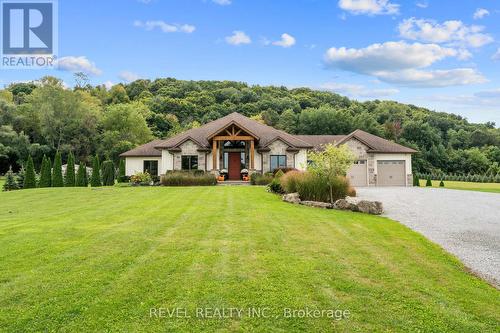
(30, 178)
(428, 182)
(20, 178)
(416, 181)
(69, 179)
(57, 177)
(95, 179)
(108, 174)
(45, 173)
(80, 176)
(441, 184)
(121, 172)
(10, 181)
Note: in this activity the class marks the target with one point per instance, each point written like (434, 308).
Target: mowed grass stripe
(130, 249)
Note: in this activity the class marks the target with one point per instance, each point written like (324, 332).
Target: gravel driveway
(465, 223)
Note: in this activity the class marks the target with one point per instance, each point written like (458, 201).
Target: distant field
(469, 186)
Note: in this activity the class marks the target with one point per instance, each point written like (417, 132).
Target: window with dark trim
(278, 161)
(151, 167)
(189, 162)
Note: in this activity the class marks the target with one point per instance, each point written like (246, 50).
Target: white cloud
(356, 90)
(369, 7)
(389, 56)
(164, 26)
(222, 2)
(238, 38)
(453, 32)
(480, 13)
(496, 56)
(433, 78)
(108, 84)
(422, 4)
(78, 64)
(285, 41)
(402, 63)
(128, 76)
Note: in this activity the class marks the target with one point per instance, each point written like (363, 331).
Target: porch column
(214, 155)
(252, 153)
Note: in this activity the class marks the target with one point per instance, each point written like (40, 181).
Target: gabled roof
(265, 134)
(377, 144)
(147, 149)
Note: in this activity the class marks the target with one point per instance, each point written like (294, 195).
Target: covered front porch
(233, 153)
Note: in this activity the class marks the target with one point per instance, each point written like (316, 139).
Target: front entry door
(234, 167)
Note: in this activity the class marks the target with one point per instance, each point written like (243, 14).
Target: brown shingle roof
(320, 140)
(265, 134)
(378, 144)
(147, 149)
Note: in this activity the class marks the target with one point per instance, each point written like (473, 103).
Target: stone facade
(360, 150)
(189, 148)
(278, 147)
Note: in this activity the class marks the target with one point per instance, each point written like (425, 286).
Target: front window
(151, 167)
(278, 161)
(189, 162)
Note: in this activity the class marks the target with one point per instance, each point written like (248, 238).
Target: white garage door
(391, 173)
(357, 174)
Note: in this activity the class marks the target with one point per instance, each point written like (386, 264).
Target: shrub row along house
(235, 144)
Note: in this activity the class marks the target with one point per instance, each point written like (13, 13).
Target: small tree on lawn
(20, 178)
(57, 177)
(10, 181)
(30, 178)
(45, 173)
(121, 171)
(108, 174)
(95, 179)
(81, 176)
(69, 179)
(331, 163)
(428, 182)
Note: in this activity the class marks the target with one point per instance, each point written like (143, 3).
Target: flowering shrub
(143, 178)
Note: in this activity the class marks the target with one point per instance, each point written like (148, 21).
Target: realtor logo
(29, 36)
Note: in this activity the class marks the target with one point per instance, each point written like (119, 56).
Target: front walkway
(465, 223)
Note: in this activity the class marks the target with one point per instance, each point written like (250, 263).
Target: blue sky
(440, 54)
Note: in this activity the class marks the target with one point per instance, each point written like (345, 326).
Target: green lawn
(97, 260)
(469, 186)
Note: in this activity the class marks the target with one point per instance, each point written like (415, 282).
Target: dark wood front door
(234, 167)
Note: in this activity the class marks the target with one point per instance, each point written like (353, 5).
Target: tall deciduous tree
(30, 179)
(57, 177)
(69, 180)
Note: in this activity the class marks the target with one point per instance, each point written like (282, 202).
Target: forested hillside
(42, 117)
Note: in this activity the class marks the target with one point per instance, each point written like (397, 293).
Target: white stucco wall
(134, 165)
(167, 162)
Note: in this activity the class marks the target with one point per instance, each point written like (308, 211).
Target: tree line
(44, 117)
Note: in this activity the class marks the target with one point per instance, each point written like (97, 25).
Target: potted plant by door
(222, 175)
(244, 175)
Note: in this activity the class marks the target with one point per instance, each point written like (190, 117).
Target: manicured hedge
(261, 179)
(488, 178)
(179, 178)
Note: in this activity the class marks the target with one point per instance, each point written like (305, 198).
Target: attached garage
(358, 174)
(391, 173)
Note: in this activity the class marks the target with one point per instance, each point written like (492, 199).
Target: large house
(234, 143)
